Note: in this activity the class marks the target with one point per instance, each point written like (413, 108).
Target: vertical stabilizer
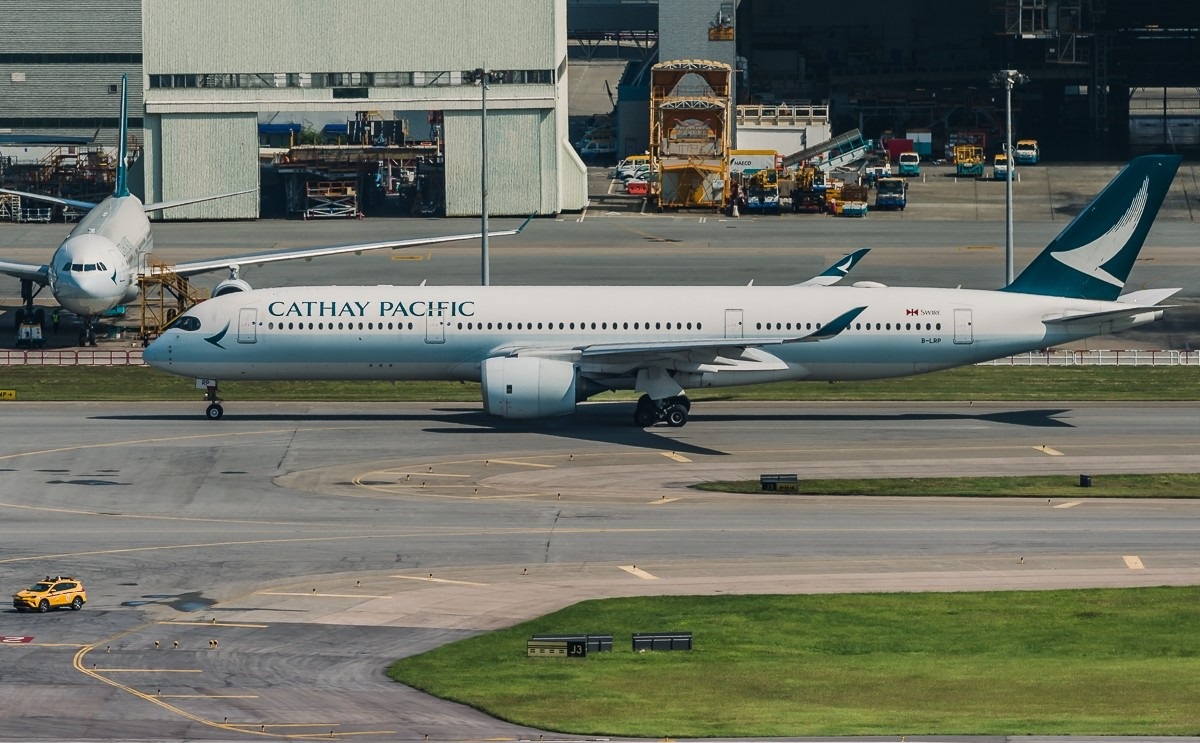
(122, 188)
(1092, 257)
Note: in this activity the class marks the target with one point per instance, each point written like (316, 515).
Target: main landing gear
(670, 410)
(214, 411)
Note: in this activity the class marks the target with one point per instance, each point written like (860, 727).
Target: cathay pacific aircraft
(541, 350)
(96, 267)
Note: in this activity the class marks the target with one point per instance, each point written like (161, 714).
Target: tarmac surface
(294, 549)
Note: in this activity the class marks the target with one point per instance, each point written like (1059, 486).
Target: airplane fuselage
(407, 333)
(95, 268)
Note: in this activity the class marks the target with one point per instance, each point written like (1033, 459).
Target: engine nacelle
(229, 286)
(528, 387)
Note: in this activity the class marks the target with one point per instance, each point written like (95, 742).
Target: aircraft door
(435, 328)
(248, 325)
(964, 332)
(733, 324)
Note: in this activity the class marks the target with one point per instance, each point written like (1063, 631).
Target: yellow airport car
(51, 593)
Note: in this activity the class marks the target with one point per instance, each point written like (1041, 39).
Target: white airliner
(540, 350)
(96, 267)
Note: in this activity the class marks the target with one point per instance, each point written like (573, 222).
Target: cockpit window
(66, 267)
(101, 266)
(188, 322)
(76, 266)
(89, 267)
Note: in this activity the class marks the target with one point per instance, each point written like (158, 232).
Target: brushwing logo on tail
(1090, 258)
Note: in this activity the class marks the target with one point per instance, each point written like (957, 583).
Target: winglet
(1094, 254)
(837, 271)
(122, 186)
(834, 326)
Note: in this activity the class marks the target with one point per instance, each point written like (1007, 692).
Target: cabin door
(733, 324)
(248, 325)
(435, 328)
(964, 332)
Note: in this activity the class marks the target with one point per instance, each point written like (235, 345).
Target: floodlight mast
(1009, 79)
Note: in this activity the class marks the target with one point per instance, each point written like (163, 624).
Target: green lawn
(1087, 662)
(1159, 485)
(978, 383)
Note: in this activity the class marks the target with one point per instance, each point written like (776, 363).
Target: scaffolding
(690, 109)
(165, 296)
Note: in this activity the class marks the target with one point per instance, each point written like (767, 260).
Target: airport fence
(73, 357)
(1130, 357)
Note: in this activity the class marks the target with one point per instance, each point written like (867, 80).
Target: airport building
(207, 70)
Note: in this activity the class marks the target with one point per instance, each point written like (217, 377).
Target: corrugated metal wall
(371, 35)
(201, 154)
(522, 178)
(44, 93)
(67, 90)
(108, 27)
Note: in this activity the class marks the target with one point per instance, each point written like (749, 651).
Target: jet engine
(528, 387)
(229, 286)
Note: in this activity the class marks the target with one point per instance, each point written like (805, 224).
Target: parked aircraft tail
(122, 186)
(1092, 257)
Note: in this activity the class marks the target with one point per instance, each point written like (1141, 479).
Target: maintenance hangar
(210, 67)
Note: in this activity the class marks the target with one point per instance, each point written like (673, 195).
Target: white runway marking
(637, 572)
(1069, 504)
(1133, 562)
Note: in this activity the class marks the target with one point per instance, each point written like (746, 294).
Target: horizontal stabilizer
(50, 199)
(184, 202)
(1147, 297)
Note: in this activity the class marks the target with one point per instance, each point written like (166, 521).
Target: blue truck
(891, 193)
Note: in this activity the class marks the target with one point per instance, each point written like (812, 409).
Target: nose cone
(158, 353)
(88, 275)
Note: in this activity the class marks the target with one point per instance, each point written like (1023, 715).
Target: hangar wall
(227, 145)
(226, 57)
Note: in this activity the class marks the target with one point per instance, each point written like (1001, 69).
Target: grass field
(1087, 662)
(1160, 485)
(977, 383)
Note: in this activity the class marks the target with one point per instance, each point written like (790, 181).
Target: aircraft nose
(86, 276)
(158, 353)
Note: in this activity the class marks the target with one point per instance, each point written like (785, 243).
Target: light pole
(1009, 79)
(482, 76)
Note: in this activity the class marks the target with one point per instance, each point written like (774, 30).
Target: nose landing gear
(214, 411)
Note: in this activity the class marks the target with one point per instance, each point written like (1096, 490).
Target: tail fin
(122, 187)
(1092, 257)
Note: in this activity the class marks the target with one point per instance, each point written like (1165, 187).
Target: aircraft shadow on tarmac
(611, 423)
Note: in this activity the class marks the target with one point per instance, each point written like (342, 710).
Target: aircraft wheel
(681, 400)
(214, 412)
(18, 318)
(676, 416)
(39, 317)
(645, 417)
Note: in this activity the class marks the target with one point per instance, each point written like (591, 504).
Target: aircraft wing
(30, 271)
(837, 271)
(50, 199)
(234, 263)
(707, 354)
